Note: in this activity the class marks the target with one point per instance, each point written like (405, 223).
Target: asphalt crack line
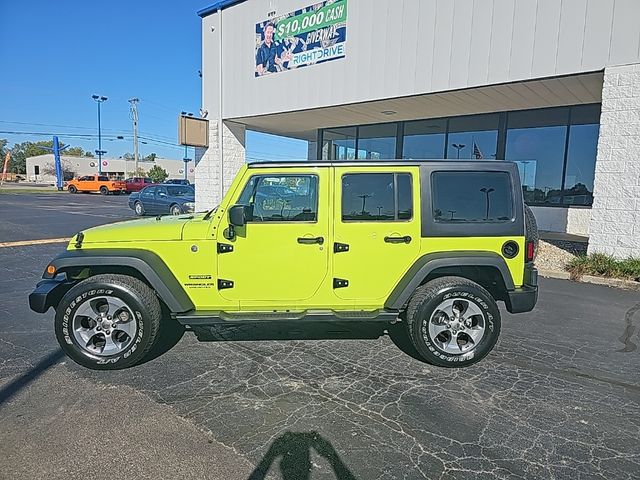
(26, 243)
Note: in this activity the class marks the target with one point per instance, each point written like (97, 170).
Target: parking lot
(558, 398)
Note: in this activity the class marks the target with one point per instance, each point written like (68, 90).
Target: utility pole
(134, 117)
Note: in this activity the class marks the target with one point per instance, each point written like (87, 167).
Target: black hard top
(472, 164)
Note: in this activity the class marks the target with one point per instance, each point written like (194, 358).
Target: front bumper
(48, 293)
(523, 299)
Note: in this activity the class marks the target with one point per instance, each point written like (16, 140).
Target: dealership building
(552, 85)
(41, 168)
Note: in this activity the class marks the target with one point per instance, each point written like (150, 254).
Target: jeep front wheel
(452, 322)
(108, 322)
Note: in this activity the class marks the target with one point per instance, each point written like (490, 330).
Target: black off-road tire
(72, 189)
(425, 301)
(531, 229)
(104, 190)
(136, 294)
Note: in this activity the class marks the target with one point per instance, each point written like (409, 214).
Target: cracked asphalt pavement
(558, 398)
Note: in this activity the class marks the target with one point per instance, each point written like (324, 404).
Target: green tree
(158, 174)
(150, 158)
(3, 150)
(77, 152)
(139, 172)
(21, 151)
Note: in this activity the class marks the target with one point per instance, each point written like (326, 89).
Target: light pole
(487, 191)
(458, 147)
(186, 161)
(99, 99)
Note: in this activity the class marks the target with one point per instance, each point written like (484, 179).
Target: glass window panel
(585, 114)
(463, 197)
(372, 197)
(377, 141)
(339, 143)
(424, 139)
(281, 198)
(405, 197)
(543, 117)
(581, 164)
(539, 153)
(474, 137)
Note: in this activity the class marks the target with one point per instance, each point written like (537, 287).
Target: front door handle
(405, 239)
(310, 240)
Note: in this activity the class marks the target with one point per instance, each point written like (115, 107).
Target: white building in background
(41, 168)
(553, 85)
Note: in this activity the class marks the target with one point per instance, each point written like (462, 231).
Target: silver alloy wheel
(456, 326)
(104, 326)
(175, 210)
(138, 207)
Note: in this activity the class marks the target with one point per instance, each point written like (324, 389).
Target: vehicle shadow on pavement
(9, 390)
(272, 330)
(294, 451)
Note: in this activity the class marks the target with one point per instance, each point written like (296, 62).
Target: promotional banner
(309, 36)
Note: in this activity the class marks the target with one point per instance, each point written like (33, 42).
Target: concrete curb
(609, 282)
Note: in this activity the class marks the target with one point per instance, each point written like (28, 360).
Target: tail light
(531, 251)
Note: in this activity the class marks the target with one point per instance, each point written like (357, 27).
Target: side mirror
(238, 215)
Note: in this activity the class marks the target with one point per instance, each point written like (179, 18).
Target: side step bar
(214, 318)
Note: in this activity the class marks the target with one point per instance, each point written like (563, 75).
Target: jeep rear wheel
(104, 190)
(453, 322)
(108, 322)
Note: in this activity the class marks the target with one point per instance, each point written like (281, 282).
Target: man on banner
(267, 59)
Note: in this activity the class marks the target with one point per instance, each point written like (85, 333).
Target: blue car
(163, 199)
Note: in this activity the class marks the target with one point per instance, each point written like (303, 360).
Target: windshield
(181, 191)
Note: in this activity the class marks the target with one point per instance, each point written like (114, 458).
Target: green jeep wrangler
(429, 247)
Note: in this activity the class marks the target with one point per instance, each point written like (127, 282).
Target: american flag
(476, 152)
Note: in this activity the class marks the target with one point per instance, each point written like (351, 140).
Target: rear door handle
(310, 240)
(405, 239)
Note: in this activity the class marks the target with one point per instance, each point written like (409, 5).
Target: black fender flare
(147, 263)
(431, 261)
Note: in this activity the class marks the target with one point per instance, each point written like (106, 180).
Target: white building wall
(615, 216)
(569, 220)
(406, 47)
(216, 168)
(83, 166)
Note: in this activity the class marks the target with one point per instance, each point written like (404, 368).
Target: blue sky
(55, 55)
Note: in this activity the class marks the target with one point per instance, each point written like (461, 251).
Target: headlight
(189, 205)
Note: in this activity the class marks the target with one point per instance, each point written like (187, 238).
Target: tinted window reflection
(473, 138)
(372, 197)
(424, 139)
(339, 144)
(377, 142)
(462, 197)
(539, 153)
(581, 160)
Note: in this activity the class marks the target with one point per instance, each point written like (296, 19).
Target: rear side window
(377, 197)
(103, 179)
(471, 197)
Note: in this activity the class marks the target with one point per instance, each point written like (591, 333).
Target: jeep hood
(142, 230)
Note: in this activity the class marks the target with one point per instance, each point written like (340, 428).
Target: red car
(135, 184)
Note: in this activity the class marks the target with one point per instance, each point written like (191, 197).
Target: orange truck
(96, 183)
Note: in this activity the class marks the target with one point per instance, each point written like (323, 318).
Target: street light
(458, 147)
(487, 191)
(186, 161)
(99, 99)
